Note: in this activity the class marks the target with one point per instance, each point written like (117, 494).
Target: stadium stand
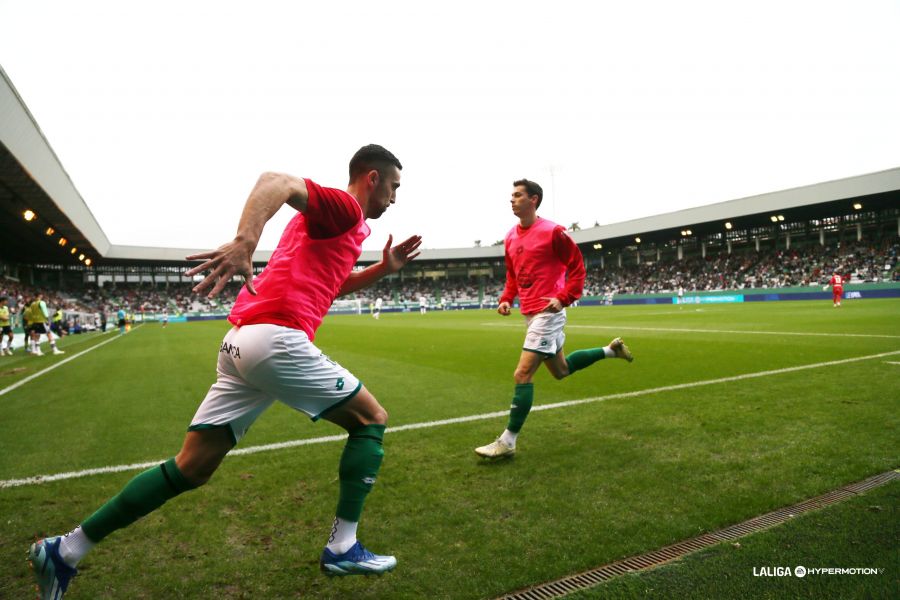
(800, 266)
(808, 266)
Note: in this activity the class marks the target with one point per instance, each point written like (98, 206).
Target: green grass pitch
(592, 483)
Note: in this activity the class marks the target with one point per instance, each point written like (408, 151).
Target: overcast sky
(165, 113)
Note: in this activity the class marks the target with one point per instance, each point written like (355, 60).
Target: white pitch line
(686, 311)
(730, 331)
(890, 362)
(33, 376)
(39, 479)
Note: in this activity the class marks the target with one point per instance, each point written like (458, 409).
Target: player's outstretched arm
(392, 260)
(270, 193)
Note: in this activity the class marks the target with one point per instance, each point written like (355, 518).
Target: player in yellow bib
(39, 318)
(6, 332)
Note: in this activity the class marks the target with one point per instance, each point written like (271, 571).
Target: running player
(269, 355)
(545, 269)
(376, 313)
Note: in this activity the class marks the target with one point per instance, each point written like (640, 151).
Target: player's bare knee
(198, 479)
(195, 473)
(522, 376)
(202, 453)
(369, 411)
(378, 416)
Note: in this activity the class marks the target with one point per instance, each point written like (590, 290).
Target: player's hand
(553, 305)
(503, 309)
(397, 257)
(825, 288)
(228, 260)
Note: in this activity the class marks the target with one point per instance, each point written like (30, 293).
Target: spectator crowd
(808, 266)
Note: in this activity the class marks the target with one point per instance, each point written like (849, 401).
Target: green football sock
(358, 469)
(521, 406)
(584, 358)
(140, 496)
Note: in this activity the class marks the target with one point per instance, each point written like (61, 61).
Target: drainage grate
(580, 581)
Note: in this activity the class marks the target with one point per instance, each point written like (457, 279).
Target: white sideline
(39, 479)
(685, 330)
(33, 376)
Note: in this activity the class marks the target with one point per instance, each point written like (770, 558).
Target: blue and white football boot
(355, 561)
(52, 574)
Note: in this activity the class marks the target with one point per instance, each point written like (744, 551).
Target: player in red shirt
(545, 269)
(837, 288)
(269, 356)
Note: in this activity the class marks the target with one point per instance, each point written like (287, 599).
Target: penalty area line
(34, 376)
(40, 479)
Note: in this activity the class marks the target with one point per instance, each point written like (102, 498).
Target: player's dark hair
(532, 188)
(371, 157)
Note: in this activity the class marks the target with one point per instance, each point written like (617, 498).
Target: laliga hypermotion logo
(800, 571)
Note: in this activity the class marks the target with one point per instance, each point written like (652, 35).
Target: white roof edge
(849, 187)
(23, 137)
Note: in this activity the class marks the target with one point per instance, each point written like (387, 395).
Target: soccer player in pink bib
(545, 269)
(269, 355)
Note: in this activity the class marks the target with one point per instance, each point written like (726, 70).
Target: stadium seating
(799, 266)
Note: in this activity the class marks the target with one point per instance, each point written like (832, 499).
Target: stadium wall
(861, 291)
